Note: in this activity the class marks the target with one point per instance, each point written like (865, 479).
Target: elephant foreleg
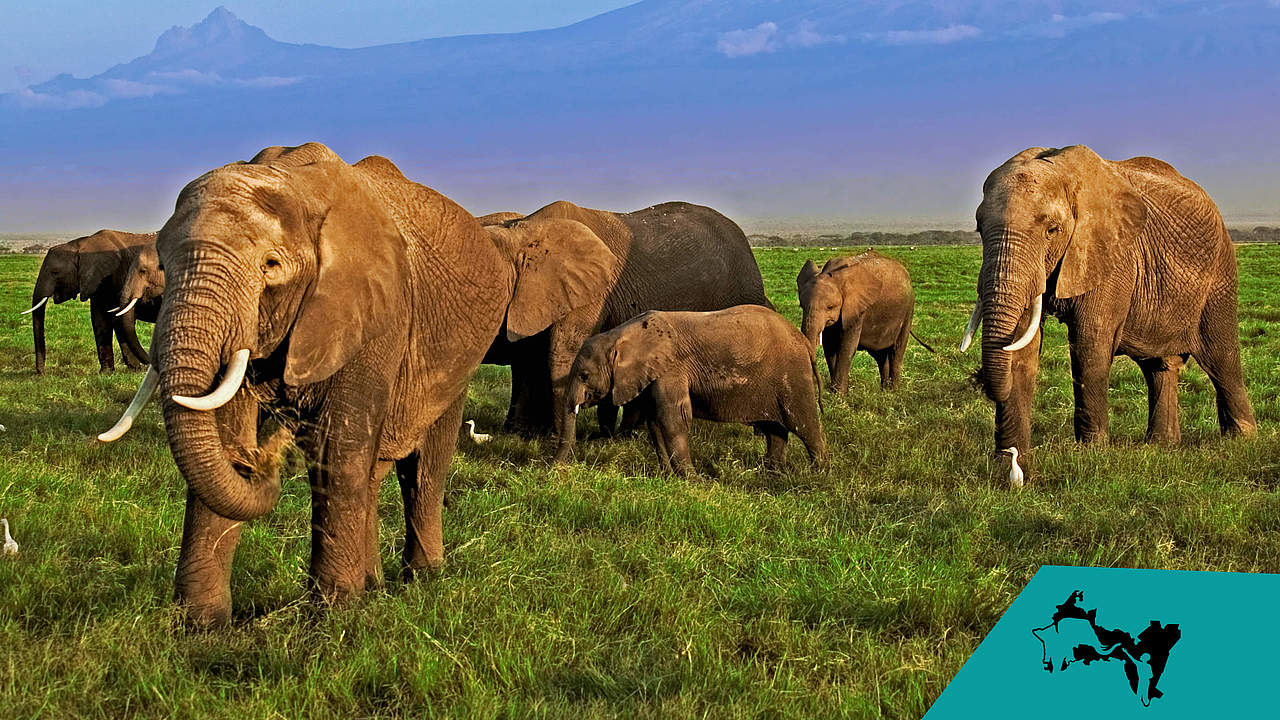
(422, 479)
(1091, 358)
(674, 414)
(1013, 415)
(844, 357)
(1161, 375)
(102, 327)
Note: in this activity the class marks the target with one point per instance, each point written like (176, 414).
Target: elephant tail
(817, 378)
(923, 343)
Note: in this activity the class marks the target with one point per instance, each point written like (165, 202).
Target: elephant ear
(858, 291)
(92, 268)
(645, 349)
(1109, 215)
(359, 290)
(807, 273)
(560, 266)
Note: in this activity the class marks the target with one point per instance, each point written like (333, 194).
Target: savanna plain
(605, 589)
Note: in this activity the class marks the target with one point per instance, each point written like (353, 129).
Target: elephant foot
(1242, 429)
(203, 613)
(429, 566)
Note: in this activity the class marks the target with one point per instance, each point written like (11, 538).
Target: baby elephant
(745, 364)
(863, 302)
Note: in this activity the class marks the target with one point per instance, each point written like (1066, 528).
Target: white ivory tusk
(226, 389)
(140, 398)
(114, 309)
(37, 305)
(1036, 306)
(575, 408)
(974, 321)
(128, 307)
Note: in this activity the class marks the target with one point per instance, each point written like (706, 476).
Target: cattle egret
(1016, 477)
(10, 545)
(477, 438)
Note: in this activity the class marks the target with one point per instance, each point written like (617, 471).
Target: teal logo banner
(1118, 643)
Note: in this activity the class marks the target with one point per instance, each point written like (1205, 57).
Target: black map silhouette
(1075, 636)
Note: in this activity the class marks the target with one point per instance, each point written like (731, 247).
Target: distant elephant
(861, 302)
(746, 364)
(499, 218)
(94, 267)
(347, 304)
(1133, 258)
(143, 281)
(673, 256)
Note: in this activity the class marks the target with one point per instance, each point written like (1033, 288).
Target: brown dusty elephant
(673, 256)
(143, 281)
(348, 305)
(94, 267)
(1133, 258)
(746, 364)
(860, 302)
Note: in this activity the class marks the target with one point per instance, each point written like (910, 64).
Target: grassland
(605, 589)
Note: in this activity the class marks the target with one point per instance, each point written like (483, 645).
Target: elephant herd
(345, 308)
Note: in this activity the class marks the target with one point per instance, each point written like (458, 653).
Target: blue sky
(83, 37)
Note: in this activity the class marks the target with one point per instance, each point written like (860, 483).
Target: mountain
(872, 112)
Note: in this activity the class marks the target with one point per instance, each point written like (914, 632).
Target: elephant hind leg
(775, 455)
(1161, 375)
(1220, 358)
(422, 477)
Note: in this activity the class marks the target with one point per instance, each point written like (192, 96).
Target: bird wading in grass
(10, 545)
(477, 438)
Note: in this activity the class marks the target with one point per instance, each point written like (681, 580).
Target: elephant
(861, 302)
(672, 256)
(348, 307)
(744, 364)
(94, 267)
(1133, 258)
(143, 281)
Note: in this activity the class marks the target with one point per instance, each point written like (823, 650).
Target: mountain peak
(221, 27)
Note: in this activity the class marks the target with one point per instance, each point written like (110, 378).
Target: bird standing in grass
(477, 438)
(1016, 478)
(10, 545)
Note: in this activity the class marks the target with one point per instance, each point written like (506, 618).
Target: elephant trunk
(1009, 288)
(192, 338)
(811, 327)
(39, 302)
(573, 398)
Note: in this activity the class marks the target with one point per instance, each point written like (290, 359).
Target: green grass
(604, 589)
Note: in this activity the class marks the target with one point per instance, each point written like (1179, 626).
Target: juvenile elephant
(143, 281)
(348, 302)
(94, 267)
(673, 256)
(746, 364)
(1133, 258)
(861, 302)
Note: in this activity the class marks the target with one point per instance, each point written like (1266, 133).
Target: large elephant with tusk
(1133, 258)
(353, 306)
(94, 267)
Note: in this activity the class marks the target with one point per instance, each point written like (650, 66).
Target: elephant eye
(1053, 229)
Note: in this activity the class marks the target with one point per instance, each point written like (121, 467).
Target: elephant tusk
(974, 321)
(114, 309)
(37, 305)
(1037, 306)
(226, 389)
(576, 408)
(140, 398)
(128, 307)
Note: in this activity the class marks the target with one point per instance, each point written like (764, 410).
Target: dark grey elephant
(343, 304)
(1133, 258)
(94, 267)
(673, 256)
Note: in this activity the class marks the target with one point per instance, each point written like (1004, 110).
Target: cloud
(741, 43)
(99, 91)
(808, 36)
(942, 36)
(1059, 25)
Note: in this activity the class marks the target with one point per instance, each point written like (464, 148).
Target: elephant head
(267, 261)
(143, 281)
(560, 265)
(821, 301)
(72, 268)
(1054, 221)
(617, 365)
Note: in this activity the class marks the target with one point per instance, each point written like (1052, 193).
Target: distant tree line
(1260, 234)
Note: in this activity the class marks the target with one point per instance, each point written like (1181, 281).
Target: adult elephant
(672, 256)
(345, 300)
(94, 267)
(1133, 258)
